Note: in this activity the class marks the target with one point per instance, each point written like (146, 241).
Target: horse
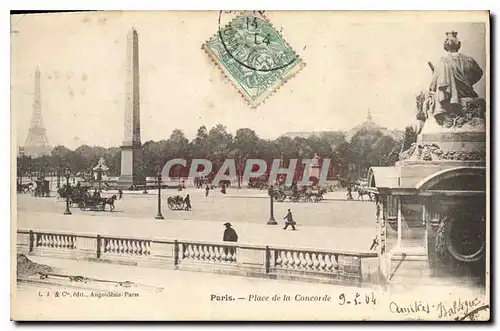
(108, 201)
(362, 191)
(26, 188)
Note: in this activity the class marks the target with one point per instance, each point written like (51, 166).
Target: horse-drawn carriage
(176, 203)
(306, 194)
(25, 187)
(362, 189)
(42, 188)
(83, 199)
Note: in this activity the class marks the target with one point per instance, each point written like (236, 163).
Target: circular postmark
(251, 41)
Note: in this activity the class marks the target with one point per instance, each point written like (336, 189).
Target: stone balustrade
(125, 246)
(276, 262)
(208, 253)
(51, 240)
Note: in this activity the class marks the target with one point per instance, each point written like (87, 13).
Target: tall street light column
(99, 177)
(67, 174)
(271, 221)
(159, 216)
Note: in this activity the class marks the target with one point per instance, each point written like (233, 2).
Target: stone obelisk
(131, 162)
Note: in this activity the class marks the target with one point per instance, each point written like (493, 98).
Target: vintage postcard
(250, 166)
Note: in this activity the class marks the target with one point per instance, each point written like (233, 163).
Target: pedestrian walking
(223, 189)
(349, 193)
(187, 202)
(231, 236)
(120, 193)
(207, 190)
(289, 220)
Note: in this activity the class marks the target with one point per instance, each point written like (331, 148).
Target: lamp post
(59, 176)
(67, 174)
(99, 177)
(159, 216)
(271, 221)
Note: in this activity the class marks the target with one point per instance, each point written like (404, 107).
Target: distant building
(368, 126)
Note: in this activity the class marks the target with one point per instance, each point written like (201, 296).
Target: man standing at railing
(229, 235)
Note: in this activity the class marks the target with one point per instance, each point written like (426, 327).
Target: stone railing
(277, 262)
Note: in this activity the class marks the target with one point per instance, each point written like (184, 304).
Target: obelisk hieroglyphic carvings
(37, 143)
(131, 162)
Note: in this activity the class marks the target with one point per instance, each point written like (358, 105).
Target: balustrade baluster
(217, 253)
(322, 263)
(196, 252)
(309, 261)
(284, 257)
(279, 260)
(135, 247)
(223, 255)
(129, 249)
(329, 264)
(211, 253)
(296, 259)
(201, 253)
(291, 260)
(206, 253)
(234, 254)
(303, 261)
(191, 252)
(184, 251)
(335, 261)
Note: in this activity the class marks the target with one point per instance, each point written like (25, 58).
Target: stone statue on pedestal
(451, 100)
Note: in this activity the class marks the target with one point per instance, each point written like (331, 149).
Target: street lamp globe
(67, 173)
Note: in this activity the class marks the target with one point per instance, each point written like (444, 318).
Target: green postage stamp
(253, 55)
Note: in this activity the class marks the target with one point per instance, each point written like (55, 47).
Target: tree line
(348, 158)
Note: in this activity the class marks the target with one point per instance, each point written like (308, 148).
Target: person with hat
(229, 235)
(289, 220)
(187, 202)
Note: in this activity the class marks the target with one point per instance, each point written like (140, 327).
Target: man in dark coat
(187, 202)
(289, 220)
(207, 190)
(349, 192)
(229, 235)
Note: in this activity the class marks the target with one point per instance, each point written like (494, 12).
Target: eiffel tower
(37, 143)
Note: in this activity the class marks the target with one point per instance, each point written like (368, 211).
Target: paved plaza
(333, 224)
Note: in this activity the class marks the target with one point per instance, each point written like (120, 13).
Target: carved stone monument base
(131, 167)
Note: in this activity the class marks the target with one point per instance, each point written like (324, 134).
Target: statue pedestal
(432, 202)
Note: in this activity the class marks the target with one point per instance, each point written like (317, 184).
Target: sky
(354, 62)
